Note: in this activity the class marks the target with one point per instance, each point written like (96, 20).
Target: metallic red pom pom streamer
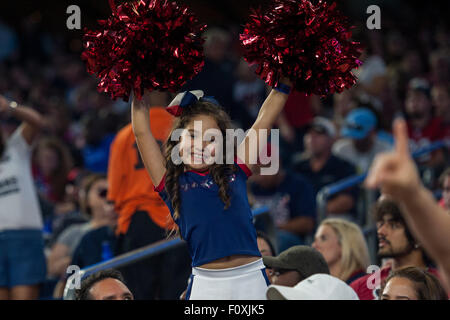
(310, 44)
(145, 44)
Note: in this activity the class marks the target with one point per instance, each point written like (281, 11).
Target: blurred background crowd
(406, 72)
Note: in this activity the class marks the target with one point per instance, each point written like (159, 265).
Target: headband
(186, 99)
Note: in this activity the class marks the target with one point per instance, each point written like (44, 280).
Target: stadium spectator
(315, 287)
(423, 127)
(291, 202)
(321, 167)
(51, 165)
(295, 264)
(22, 260)
(99, 130)
(93, 203)
(104, 285)
(344, 248)
(98, 244)
(359, 143)
(440, 94)
(395, 241)
(412, 283)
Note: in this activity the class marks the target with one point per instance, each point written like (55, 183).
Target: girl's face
(326, 241)
(399, 288)
(198, 143)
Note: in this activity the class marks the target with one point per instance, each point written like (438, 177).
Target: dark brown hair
(426, 285)
(219, 172)
(87, 283)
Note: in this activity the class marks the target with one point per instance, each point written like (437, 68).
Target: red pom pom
(146, 44)
(309, 44)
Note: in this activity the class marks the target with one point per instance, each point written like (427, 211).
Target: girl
(209, 201)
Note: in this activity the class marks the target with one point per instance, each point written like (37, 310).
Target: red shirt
(434, 131)
(364, 293)
(298, 110)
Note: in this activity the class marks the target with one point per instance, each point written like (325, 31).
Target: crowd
(75, 150)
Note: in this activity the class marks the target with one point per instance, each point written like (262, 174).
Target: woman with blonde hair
(344, 248)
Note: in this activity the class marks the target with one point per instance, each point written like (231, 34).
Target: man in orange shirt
(143, 216)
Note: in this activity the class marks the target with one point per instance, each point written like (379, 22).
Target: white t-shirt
(19, 205)
(345, 149)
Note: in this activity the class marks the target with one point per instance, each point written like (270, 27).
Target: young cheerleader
(209, 201)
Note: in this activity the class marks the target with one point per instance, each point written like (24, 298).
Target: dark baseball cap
(303, 259)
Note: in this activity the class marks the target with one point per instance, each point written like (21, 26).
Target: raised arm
(396, 174)
(252, 145)
(32, 121)
(147, 144)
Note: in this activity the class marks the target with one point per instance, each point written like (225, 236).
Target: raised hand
(395, 173)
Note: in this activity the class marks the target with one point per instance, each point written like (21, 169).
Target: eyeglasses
(102, 193)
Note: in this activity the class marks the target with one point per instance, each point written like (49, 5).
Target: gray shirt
(72, 236)
(345, 149)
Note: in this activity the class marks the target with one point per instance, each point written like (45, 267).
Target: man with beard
(394, 242)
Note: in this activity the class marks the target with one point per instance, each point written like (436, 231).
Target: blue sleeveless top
(210, 231)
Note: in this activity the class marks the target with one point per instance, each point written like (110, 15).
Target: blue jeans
(22, 259)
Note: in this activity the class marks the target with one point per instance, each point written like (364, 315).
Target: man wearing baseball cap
(316, 287)
(359, 143)
(295, 264)
(322, 168)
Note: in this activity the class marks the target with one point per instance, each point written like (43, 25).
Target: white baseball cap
(319, 286)
(324, 125)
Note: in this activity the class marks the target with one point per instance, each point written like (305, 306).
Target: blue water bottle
(107, 253)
